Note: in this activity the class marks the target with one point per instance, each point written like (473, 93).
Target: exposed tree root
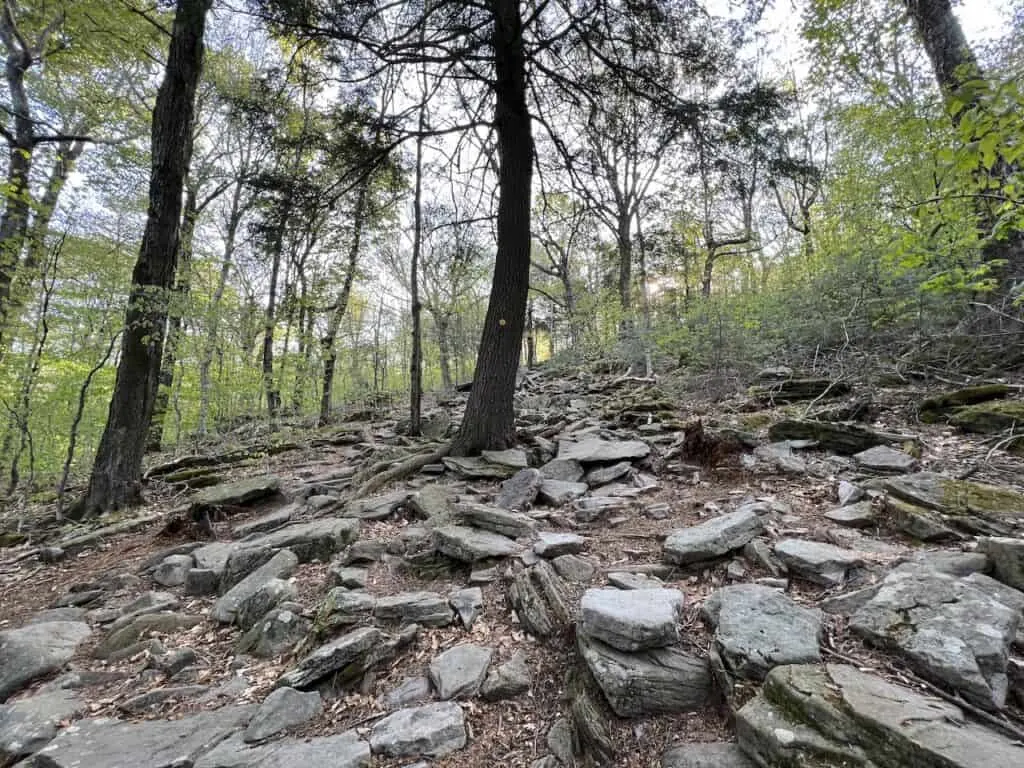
(401, 470)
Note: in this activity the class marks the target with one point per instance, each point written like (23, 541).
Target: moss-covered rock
(991, 418)
(795, 390)
(934, 408)
(842, 438)
(963, 505)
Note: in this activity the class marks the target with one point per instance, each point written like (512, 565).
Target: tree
(117, 470)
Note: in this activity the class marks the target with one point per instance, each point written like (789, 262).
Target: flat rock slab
(276, 633)
(427, 608)
(559, 492)
(280, 566)
(882, 458)
(513, 457)
(496, 520)
(264, 523)
(469, 544)
(604, 475)
(343, 750)
(974, 507)
(660, 681)
(164, 623)
(107, 743)
(758, 628)
(476, 468)
(859, 515)
(37, 650)
(594, 450)
(824, 564)
(315, 540)
(433, 501)
(832, 715)
(563, 470)
(283, 708)
(460, 671)
(951, 631)
(237, 493)
(626, 580)
(714, 538)
(520, 490)
(507, 680)
(433, 730)
(633, 620)
(378, 507)
(26, 726)
(1007, 558)
(551, 544)
(710, 755)
(354, 652)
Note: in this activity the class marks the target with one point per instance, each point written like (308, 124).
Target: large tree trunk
(489, 421)
(117, 471)
(443, 326)
(625, 248)
(416, 306)
(270, 386)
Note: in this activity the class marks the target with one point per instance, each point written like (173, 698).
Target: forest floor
(662, 493)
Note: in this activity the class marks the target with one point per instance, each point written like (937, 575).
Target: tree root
(401, 470)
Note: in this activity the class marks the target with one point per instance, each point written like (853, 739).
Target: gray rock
(460, 671)
(632, 620)
(173, 662)
(859, 515)
(758, 628)
(283, 708)
(496, 520)
(824, 564)
(469, 544)
(550, 544)
(849, 493)
(848, 603)
(953, 563)
(633, 580)
(280, 566)
(427, 608)
(202, 582)
(507, 680)
(660, 681)
(590, 509)
(242, 562)
(520, 490)
(594, 450)
(71, 613)
(882, 458)
(26, 726)
(604, 475)
(433, 502)
(378, 507)
(315, 540)
(711, 539)
(709, 755)
(342, 607)
(759, 552)
(951, 631)
(512, 458)
(559, 492)
(574, 568)
(346, 576)
(344, 750)
(108, 743)
(413, 690)
(214, 556)
(364, 551)
(476, 468)
(434, 730)
(237, 493)
(347, 658)
(560, 741)
(150, 701)
(264, 523)
(276, 633)
(563, 470)
(147, 602)
(1007, 556)
(837, 715)
(173, 570)
(252, 608)
(164, 623)
(467, 603)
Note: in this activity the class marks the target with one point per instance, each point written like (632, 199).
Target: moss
(989, 418)
(933, 408)
(11, 539)
(962, 497)
(756, 421)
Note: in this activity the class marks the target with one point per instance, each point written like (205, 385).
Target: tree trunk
(116, 476)
(443, 325)
(625, 247)
(531, 338)
(270, 387)
(181, 290)
(489, 421)
(709, 270)
(416, 306)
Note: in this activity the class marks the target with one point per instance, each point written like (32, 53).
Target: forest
(275, 212)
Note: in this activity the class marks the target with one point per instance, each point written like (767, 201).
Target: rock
(550, 544)
(758, 628)
(659, 681)
(559, 492)
(538, 596)
(378, 507)
(252, 608)
(848, 603)
(342, 607)
(459, 672)
(595, 450)
(346, 658)
(849, 493)
(794, 390)
(173, 570)
(512, 458)
(475, 468)
(495, 520)
(236, 494)
(837, 715)
(26, 726)
(609, 474)
(150, 701)
(469, 544)
(520, 491)
(846, 439)
(173, 662)
(953, 563)
(433, 502)
(315, 540)
(1007, 557)
(283, 708)
(82, 597)
(952, 632)
(507, 680)
(574, 568)
(859, 515)
(563, 470)
(264, 523)
(632, 620)
(882, 458)
(427, 608)
(433, 730)
(276, 633)
(201, 582)
(108, 743)
(435, 425)
(70, 613)
(214, 556)
(346, 576)
(164, 623)
(713, 538)
(960, 504)
(633, 581)
(710, 755)
(560, 741)
(934, 407)
(366, 551)
(413, 690)
(343, 750)
(153, 648)
(280, 566)
(919, 523)
(991, 418)
(590, 509)
(820, 563)
(468, 603)
(147, 602)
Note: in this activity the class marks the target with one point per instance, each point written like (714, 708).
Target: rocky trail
(817, 573)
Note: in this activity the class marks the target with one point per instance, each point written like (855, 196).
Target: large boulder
(37, 650)
(237, 493)
(713, 538)
(632, 620)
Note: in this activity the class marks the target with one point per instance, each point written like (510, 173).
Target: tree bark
(116, 476)
(443, 326)
(489, 421)
(270, 388)
(416, 306)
